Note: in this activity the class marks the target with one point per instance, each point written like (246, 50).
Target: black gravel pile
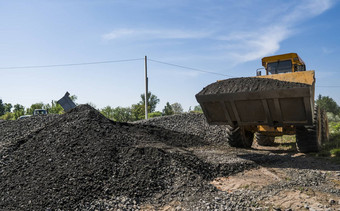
(191, 123)
(11, 132)
(248, 84)
(81, 159)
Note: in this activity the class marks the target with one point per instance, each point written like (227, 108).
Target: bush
(155, 114)
(335, 152)
(333, 118)
(334, 127)
(8, 116)
(332, 148)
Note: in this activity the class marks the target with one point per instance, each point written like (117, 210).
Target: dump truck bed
(279, 100)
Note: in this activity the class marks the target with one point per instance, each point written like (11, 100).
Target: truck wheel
(264, 140)
(324, 127)
(239, 137)
(308, 138)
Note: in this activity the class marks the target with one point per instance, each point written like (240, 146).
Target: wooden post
(146, 88)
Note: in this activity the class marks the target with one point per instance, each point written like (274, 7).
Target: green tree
(18, 107)
(328, 104)
(177, 108)
(2, 108)
(168, 109)
(198, 109)
(119, 114)
(137, 112)
(122, 114)
(54, 108)
(152, 101)
(18, 111)
(29, 111)
(7, 116)
(74, 98)
(155, 114)
(108, 112)
(8, 107)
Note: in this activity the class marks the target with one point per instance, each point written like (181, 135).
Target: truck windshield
(279, 67)
(39, 112)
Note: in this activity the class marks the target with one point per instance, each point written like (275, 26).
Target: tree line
(122, 114)
(137, 111)
(12, 112)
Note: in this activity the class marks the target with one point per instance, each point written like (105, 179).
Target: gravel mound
(79, 160)
(248, 84)
(191, 123)
(11, 132)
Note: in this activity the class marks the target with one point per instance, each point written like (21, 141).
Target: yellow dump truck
(278, 103)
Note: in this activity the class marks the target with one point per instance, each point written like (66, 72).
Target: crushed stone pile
(79, 160)
(248, 84)
(191, 123)
(11, 132)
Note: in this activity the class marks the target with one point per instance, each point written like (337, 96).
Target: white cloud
(155, 34)
(254, 44)
(118, 34)
(248, 46)
(327, 50)
(307, 9)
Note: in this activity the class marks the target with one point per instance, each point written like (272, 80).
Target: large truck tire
(264, 140)
(309, 138)
(238, 137)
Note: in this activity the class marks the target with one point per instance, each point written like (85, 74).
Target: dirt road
(283, 181)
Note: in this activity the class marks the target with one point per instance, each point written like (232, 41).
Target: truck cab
(39, 112)
(284, 63)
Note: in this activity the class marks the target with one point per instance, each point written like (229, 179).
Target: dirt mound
(248, 84)
(74, 160)
(191, 123)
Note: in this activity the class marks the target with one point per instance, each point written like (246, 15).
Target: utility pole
(146, 88)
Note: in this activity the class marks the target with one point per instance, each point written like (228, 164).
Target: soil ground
(322, 196)
(283, 179)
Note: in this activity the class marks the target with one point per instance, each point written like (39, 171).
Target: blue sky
(227, 37)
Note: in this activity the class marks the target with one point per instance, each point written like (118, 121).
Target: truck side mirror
(258, 72)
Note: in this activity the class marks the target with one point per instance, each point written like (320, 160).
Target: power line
(329, 86)
(190, 68)
(105, 62)
(128, 60)
(73, 64)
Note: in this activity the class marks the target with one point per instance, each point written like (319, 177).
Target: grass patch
(286, 142)
(246, 186)
(288, 179)
(331, 149)
(335, 152)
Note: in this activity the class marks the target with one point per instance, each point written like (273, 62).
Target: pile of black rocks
(80, 159)
(248, 84)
